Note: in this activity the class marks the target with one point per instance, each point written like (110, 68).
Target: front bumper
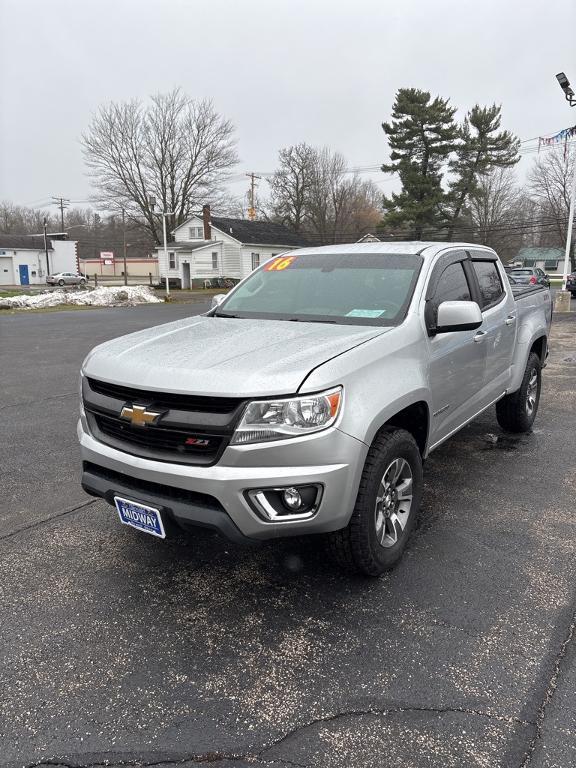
(183, 492)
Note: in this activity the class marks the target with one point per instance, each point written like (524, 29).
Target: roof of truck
(426, 249)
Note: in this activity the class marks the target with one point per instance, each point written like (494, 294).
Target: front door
(457, 359)
(24, 278)
(185, 275)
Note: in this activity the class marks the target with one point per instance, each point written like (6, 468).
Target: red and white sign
(107, 257)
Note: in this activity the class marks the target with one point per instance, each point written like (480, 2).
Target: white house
(23, 259)
(207, 247)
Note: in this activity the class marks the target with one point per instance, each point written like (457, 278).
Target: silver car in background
(66, 278)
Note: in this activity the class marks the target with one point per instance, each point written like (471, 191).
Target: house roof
(529, 256)
(257, 232)
(188, 245)
(23, 242)
(369, 238)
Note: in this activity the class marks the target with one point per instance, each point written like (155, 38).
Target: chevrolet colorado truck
(306, 400)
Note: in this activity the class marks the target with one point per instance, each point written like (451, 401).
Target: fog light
(286, 504)
(292, 499)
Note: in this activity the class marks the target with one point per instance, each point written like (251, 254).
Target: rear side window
(491, 288)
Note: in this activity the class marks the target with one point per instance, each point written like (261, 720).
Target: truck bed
(519, 291)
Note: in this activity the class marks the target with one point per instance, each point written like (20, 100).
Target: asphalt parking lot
(117, 649)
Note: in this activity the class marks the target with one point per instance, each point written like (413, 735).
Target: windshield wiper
(300, 320)
(224, 314)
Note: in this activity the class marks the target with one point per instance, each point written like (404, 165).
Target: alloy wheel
(532, 392)
(393, 502)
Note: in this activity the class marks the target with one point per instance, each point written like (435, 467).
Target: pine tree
(482, 149)
(421, 134)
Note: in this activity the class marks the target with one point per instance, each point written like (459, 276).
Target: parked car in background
(66, 278)
(530, 276)
(571, 284)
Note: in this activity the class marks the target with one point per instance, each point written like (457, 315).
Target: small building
(207, 247)
(114, 267)
(25, 261)
(551, 259)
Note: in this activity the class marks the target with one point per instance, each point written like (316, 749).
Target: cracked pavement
(118, 649)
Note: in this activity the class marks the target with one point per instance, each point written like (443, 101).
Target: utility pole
(97, 238)
(46, 247)
(124, 245)
(252, 210)
(61, 202)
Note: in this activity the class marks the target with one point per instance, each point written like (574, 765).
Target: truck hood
(223, 356)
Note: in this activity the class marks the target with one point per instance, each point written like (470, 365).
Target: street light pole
(570, 224)
(164, 214)
(124, 245)
(46, 248)
(152, 203)
(570, 98)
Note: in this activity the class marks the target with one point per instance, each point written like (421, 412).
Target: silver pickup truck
(307, 399)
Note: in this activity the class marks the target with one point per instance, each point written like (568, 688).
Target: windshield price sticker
(279, 264)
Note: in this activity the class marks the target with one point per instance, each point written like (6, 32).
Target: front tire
(516, 412)
(61, 283)
(388, 501)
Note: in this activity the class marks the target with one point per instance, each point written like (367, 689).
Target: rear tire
(386, 507)
(516, 412)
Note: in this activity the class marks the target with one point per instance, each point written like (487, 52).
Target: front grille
(166, 400)
(192, 429)
(146, 486)
(184, 443)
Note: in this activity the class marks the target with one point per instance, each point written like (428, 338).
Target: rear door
(457, 360)
(499, 314)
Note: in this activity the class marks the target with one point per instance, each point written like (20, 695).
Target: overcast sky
(284, 71)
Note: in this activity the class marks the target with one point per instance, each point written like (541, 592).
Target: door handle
(479, 336)
(510, 320)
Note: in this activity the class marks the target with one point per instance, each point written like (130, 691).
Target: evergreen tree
(482, 148)
(421, 134)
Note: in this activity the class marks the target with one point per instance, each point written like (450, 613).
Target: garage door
(6, 271)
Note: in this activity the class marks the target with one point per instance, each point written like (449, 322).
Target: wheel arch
(414, 418)
(540, 347)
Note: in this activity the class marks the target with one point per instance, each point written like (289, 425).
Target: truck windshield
(355, 289)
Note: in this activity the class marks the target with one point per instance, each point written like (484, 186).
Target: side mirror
(458, 316)
(217, 299)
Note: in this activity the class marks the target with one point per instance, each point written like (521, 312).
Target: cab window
(452, 285)
(491, 288)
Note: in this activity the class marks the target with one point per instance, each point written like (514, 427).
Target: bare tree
(291, 185)
(20, 220)
(497, 212)
(549, 184)
(175, 149)
(314, 193)
(341, 206)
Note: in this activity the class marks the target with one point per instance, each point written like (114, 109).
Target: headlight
(265, 420)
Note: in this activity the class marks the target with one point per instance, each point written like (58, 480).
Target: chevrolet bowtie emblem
(139, 415)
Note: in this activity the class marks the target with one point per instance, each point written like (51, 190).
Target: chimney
(206, 221)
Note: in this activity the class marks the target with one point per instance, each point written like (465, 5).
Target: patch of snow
(123, 296)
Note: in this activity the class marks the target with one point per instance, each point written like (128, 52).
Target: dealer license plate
(139, 516)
